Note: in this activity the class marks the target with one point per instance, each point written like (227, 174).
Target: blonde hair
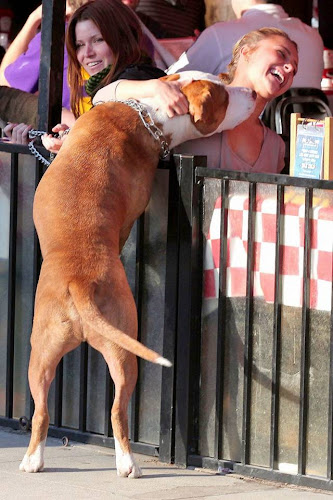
(251, 39)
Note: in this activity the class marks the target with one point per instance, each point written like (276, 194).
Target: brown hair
(251, 39)
(119, 27)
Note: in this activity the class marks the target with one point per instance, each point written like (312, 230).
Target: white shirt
(212, 51)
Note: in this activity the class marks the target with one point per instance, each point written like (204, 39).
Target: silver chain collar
(148, 122)
(39, 133)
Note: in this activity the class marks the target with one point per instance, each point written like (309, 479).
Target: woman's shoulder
(271, 134)
(272, 153)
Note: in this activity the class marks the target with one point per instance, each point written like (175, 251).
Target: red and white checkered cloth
(291, 268)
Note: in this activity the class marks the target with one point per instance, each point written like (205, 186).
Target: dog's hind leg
(117, 305)
(45, 355)
(124, 376)
(123, 370)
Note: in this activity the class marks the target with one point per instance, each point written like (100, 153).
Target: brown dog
(84, 209)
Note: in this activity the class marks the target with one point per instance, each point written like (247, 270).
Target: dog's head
(214, 106)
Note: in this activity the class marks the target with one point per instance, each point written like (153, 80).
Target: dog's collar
(148, 122)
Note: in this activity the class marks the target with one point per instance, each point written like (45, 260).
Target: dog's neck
(224, 114)
(177, 129)
(182, 128)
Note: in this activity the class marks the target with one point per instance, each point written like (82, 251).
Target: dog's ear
(208, 104)
(200, 109)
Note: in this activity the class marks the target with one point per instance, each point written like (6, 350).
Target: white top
(212, 51)
(220, 155)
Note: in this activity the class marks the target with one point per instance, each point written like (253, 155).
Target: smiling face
(268, 68)
(92, 52)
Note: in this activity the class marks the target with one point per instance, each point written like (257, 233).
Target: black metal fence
(262, 359)
(77, 409)
(250, 338)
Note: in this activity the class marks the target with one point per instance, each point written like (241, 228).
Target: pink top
(220, 155)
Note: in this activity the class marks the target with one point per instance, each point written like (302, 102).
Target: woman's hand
(169, 97)
(18, 133)
(53, 144)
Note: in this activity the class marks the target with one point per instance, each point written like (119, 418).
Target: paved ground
(81, 471)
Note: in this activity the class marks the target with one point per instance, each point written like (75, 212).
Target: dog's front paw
(31, 464)
(35, 461)
(126, 467)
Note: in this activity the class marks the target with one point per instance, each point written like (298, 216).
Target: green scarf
(95, 80)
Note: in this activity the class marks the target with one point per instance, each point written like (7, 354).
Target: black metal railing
(251, 384)
(77, 409)
(230, 418)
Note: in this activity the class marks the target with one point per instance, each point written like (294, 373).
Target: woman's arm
(166, 94)
(18, 106)
(18, 133)
(21, 42)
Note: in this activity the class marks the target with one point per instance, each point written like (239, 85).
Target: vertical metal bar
(188, 338)
(220, 346)
(276, 350)
(37, 259)
(248, 329)
(39, 171)
(138, 295)
(330, 402)
(11, 285)
(51, 63)
(305, 346)
(83, 386)
(167, 428)
(184, 306)
(109, 397)
(58, 384)
(196, 310)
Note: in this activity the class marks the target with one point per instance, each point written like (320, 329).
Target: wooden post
(294, 117)
(328, 148)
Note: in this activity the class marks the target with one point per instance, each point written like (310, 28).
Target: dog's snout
(254, 95)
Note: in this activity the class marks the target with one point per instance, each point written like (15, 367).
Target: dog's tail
(90, 313)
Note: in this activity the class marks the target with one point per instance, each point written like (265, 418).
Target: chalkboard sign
(311, 144)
